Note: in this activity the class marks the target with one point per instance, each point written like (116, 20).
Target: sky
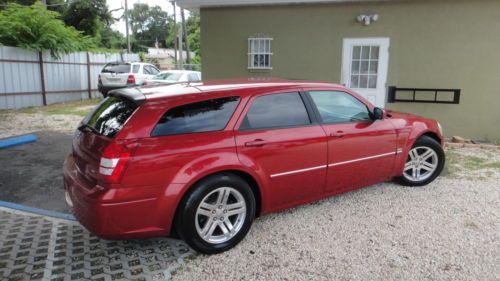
(115, 4)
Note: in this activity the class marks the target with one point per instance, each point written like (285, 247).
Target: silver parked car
(174, 76)
(118, 75)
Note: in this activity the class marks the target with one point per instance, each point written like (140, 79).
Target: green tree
(52, 5)
(149, 24)
(111, 39)
(36, 28)
(88, 16)
(193, 31)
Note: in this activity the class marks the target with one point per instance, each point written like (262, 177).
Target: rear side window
(204, 116)
(275, 111)
(135, 68)
(110, 115)
(116, 68)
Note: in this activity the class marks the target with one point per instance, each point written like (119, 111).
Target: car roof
(191, 88)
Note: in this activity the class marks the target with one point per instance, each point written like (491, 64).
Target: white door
(364, 67)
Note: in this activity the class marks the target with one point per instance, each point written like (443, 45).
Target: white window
(364, 67)
(259, 53)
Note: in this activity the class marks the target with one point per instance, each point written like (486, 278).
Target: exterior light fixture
(367, 19)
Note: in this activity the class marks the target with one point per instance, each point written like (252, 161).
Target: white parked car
(118, 75)
(175, 76)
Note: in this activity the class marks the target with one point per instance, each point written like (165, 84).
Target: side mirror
(378, 113)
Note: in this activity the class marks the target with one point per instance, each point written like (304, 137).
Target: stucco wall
(434, 44)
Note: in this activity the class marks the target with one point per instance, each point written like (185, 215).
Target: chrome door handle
(255, 143)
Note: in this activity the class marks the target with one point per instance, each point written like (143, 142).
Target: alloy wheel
(220, 215)
(422, 162)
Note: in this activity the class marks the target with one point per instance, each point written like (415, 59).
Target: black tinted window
(110, 115)
(277, 110)
(339, 107)
(116, 68)
(205, 116)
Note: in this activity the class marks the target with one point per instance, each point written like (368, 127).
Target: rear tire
(216, 214)
(424, 163)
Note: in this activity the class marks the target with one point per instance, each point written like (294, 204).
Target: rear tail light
(131, 79)
(114, 161)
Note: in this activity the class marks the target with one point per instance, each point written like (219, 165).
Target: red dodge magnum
(202, 160)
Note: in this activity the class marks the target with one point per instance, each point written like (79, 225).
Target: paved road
(31, 174)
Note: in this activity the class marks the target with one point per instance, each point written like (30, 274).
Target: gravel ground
(58, 117)
(448, 230)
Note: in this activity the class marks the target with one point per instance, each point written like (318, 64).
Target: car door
(361, 151)
(277, 137)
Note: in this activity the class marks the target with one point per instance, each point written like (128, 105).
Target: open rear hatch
(95, 148)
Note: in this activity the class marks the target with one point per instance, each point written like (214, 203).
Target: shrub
(36, 28)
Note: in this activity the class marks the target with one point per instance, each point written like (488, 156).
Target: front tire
(216, 214)
(424, 163)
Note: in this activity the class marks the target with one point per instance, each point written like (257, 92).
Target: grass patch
(459, 164)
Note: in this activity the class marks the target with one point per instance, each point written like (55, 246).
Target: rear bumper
(116, 213)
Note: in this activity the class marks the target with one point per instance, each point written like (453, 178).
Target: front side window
(259, 53)
(153, 70)
(150, 70)
(276, 111)
(339, 107)
(204, 116)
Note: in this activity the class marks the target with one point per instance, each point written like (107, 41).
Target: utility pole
(126, 27)
(181, 55)
(175, 32)
(184, 36)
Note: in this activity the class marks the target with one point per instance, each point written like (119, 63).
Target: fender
(418, 129)
(211, 164)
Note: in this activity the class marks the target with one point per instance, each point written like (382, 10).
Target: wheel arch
(431, 135)
(250, 179)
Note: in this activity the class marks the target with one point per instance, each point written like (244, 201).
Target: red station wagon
(204, 159)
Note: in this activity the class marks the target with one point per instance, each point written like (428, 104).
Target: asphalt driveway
(31, 174)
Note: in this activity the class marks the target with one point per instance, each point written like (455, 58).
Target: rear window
(110, 115)
(204, 116)
(116, 68)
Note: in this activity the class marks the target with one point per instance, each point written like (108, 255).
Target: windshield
(110, 115)
(116, 68)
(173, 76)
